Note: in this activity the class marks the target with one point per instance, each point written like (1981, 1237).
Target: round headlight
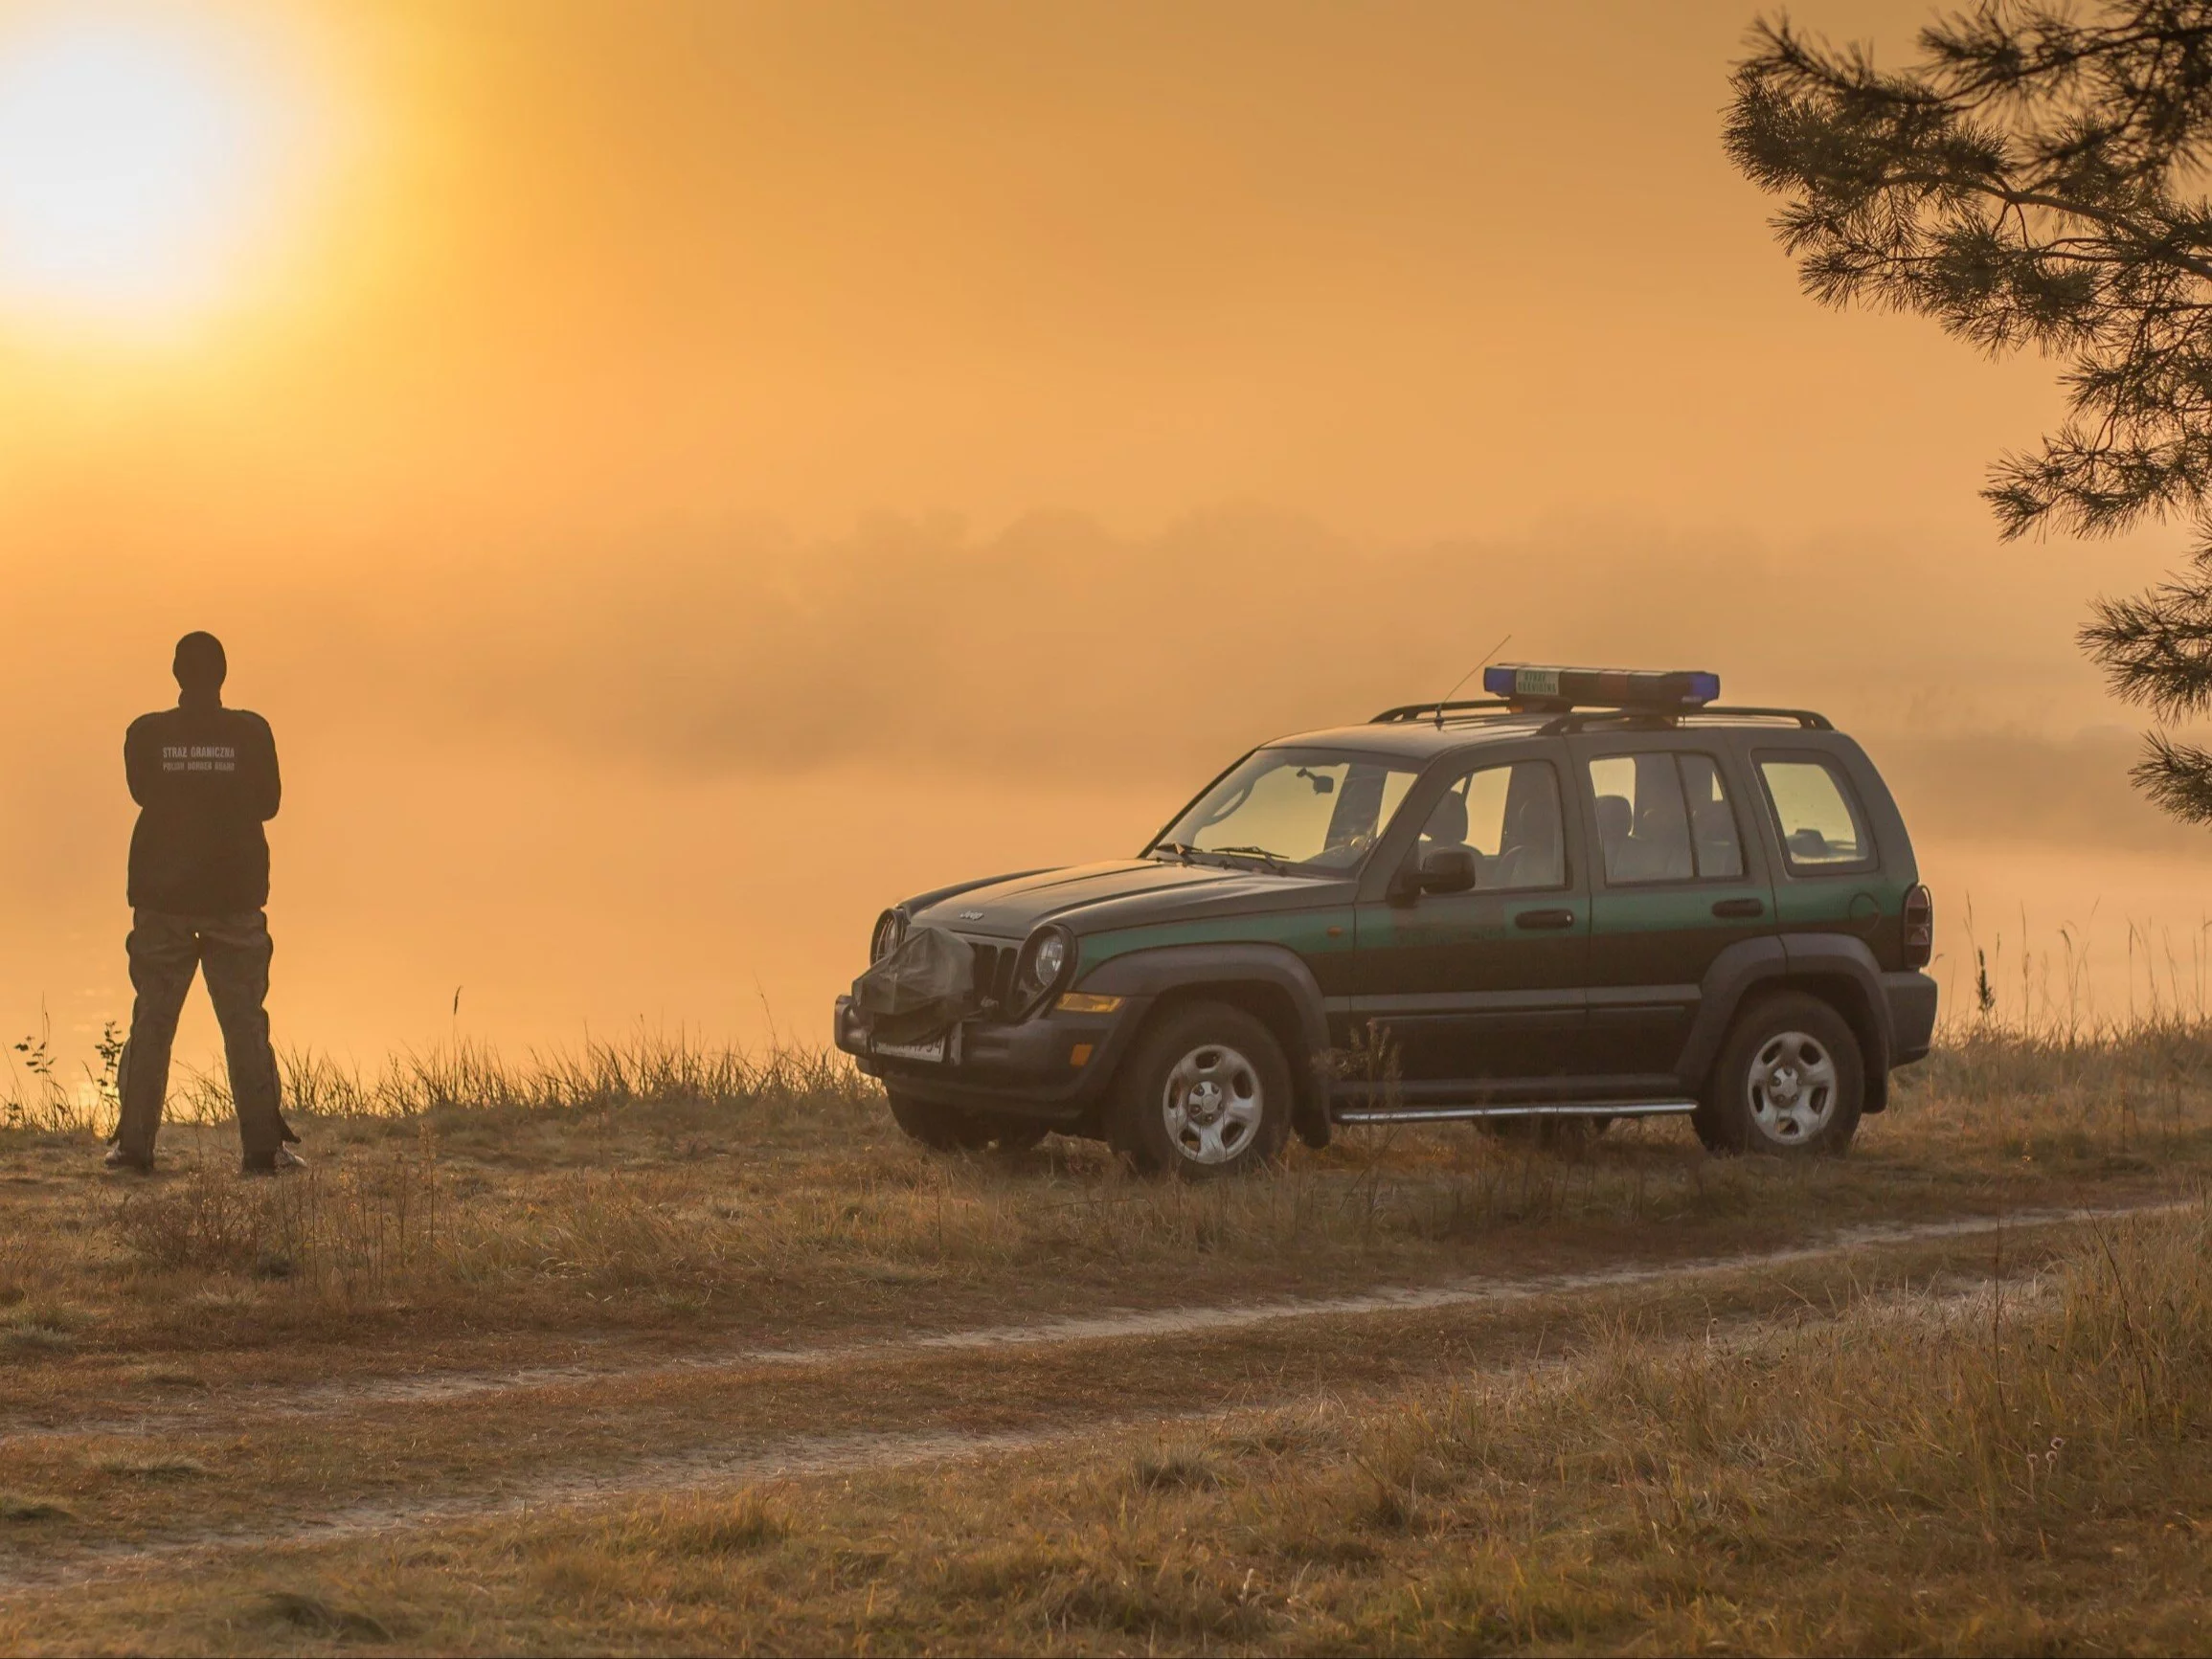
(1048, 959)
(888, 928)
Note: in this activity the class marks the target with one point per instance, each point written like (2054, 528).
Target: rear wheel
(1207, 1093)
(949, 1129)
(1790, 1081)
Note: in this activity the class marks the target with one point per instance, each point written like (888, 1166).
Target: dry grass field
(653, 1349)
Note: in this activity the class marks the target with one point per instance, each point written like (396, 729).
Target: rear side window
(1713, 832)
(1821, 825)
(1664, 818)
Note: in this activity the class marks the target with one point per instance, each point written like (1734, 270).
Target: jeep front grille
(994, 972)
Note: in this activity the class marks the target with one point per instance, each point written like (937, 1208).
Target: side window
(1663, 817)
(1821, 823)
(1713, 833)
(1509, 816)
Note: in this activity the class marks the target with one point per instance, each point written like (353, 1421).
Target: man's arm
(137, 767)
(269, 788)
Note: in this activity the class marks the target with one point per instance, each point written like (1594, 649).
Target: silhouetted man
(205, 780)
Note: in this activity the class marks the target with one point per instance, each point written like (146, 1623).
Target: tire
(1790, 1081)
(948, 1129)
(1207, 1093)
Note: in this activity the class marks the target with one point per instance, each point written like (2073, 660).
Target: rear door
(1831, 875)
(1678, 877)
(1480, 992)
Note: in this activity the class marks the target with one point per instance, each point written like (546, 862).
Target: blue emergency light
(1639, 688)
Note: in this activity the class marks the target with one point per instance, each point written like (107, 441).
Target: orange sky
(678, 475)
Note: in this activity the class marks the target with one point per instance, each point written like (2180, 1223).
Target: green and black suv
(1596, 895)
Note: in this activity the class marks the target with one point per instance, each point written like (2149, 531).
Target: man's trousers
(233, 949)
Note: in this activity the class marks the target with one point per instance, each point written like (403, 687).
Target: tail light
(1919, 927)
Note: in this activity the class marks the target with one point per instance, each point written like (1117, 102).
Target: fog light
(1086, 1003)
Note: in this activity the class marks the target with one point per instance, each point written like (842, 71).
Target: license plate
(934, 1052)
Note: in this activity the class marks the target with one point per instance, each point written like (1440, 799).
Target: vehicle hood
(1095, 898)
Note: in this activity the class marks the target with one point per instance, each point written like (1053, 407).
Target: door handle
(1726, 907)
(1544, 919)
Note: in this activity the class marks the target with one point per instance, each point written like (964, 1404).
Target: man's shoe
(119, 1159)
(285, 1162)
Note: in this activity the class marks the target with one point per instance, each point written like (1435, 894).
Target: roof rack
(1407, 712)
(1575, 719)
(1804, 717)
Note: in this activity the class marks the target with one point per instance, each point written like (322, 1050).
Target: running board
(1545, 1109)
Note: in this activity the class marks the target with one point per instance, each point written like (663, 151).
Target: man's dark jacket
(205, 780)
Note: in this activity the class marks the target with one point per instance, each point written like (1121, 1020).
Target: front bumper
(1051, 1069)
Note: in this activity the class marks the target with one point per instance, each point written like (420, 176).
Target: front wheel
(1207, 1093)
(1790, 1081)
(949, 1129)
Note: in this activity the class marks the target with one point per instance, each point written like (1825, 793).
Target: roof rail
(1572, 719)
(1407, 713)
(1804, 717)
(1575, 719)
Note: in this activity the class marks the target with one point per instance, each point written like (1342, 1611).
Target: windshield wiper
(1275, 861)
(1181, 849)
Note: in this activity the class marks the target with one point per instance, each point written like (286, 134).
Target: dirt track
(268, 1403)
(277, 1468)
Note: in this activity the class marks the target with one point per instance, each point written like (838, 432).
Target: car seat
(1530, 854)
(1615, 816)
(1447, 826)
(1714, 827)
(1658, 849)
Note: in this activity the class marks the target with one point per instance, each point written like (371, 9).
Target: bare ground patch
(518, 1354)
(1990, 1468)
(610, 1436)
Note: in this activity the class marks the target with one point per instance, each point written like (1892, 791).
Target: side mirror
(1448, 871)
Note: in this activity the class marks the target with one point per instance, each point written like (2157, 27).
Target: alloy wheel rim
(1212, 1103)
(1792, 1087)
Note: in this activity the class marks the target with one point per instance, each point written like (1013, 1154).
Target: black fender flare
(1835, 959)
(1157, 970)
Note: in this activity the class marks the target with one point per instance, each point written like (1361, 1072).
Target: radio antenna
(1506, 640)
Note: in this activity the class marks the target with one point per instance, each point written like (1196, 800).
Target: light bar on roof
(1601, 687)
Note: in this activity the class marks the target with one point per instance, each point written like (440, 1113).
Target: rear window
(1821, 825)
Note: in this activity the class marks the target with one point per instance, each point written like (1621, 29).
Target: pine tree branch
(2036, 179)
(2177, 776)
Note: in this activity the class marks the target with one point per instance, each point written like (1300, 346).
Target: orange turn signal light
(1087, 1003)
(1079, 1055)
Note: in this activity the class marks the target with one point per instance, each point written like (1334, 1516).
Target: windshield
(1307, 808)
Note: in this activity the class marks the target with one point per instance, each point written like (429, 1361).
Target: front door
(1678, 879)
(1477, 994)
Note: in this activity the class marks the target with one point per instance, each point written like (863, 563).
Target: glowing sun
(141, 155)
